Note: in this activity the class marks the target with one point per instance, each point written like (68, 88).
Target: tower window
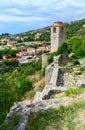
(54, 30)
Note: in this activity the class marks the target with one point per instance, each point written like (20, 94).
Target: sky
(18, 16)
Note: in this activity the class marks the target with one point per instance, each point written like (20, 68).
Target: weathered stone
(44, 59)
(48, 73)
(57, 35)
(81, 82)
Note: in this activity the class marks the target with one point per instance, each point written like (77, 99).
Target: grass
(31, 94)
(74, 91)
(56, 119)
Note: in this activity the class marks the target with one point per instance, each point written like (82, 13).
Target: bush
(7, 65)
(76, 62)
(61, 49)
(50, 57)
(23, 85)
(79, 52)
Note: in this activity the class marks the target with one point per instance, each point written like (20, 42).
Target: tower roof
(58, 24)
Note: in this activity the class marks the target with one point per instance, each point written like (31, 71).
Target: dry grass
(38, 81)
(80, 120)
(38, 84)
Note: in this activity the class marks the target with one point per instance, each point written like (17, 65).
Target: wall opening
(54, 30)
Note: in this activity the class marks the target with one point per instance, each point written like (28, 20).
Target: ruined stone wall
(44, 59)
(48, 74)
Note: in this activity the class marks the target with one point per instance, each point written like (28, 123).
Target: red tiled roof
(31, 49)
(58, 24)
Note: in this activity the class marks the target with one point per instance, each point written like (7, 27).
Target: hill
(74, 28)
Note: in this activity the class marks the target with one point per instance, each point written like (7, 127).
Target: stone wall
(44, 59)
(48, 74)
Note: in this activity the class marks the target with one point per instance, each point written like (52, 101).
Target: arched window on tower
(54, 30)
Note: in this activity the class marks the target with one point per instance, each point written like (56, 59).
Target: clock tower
(57, 35)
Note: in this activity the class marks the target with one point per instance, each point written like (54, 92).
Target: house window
(54, 30)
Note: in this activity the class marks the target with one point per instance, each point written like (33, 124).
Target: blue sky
(23, 15)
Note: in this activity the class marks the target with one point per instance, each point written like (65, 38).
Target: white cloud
(40, 12)
(10, 18)
(40, 9)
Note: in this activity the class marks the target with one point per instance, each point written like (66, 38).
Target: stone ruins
(55, 82)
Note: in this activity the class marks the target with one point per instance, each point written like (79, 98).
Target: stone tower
(57, 35)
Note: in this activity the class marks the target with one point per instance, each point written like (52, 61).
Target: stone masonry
(57, 35)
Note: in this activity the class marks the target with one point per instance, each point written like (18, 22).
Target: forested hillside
(72, 29)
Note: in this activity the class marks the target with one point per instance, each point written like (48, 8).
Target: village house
(10, 43)
(31, 51)
(20, 54)
(40, 43)
(41, 49)
(48, 48)
(37, 36)
(14, 47)
(22, 48)
(4, 39)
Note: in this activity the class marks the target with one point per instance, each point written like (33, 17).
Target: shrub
(76, 62)
(61, 49)
(79, 52)
(50, 57)
(23, 85)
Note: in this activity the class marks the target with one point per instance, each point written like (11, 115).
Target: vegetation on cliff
(14, 83)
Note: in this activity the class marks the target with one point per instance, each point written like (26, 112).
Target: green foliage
(76, 62)
(33, 46)
(80, 52)
(14, 83)
(41, 88)
(8, 52)
(12, 88)
(72, 29)
(31, 94)
(42, 72)
(7, 66)
(20, 44)
(75, 28)
(55, 118)
(72, 91)
(7, 126)
(23, 85)
(76, 45)
(16, 119)
(61, 49)
(76, 42)
(50, 57)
